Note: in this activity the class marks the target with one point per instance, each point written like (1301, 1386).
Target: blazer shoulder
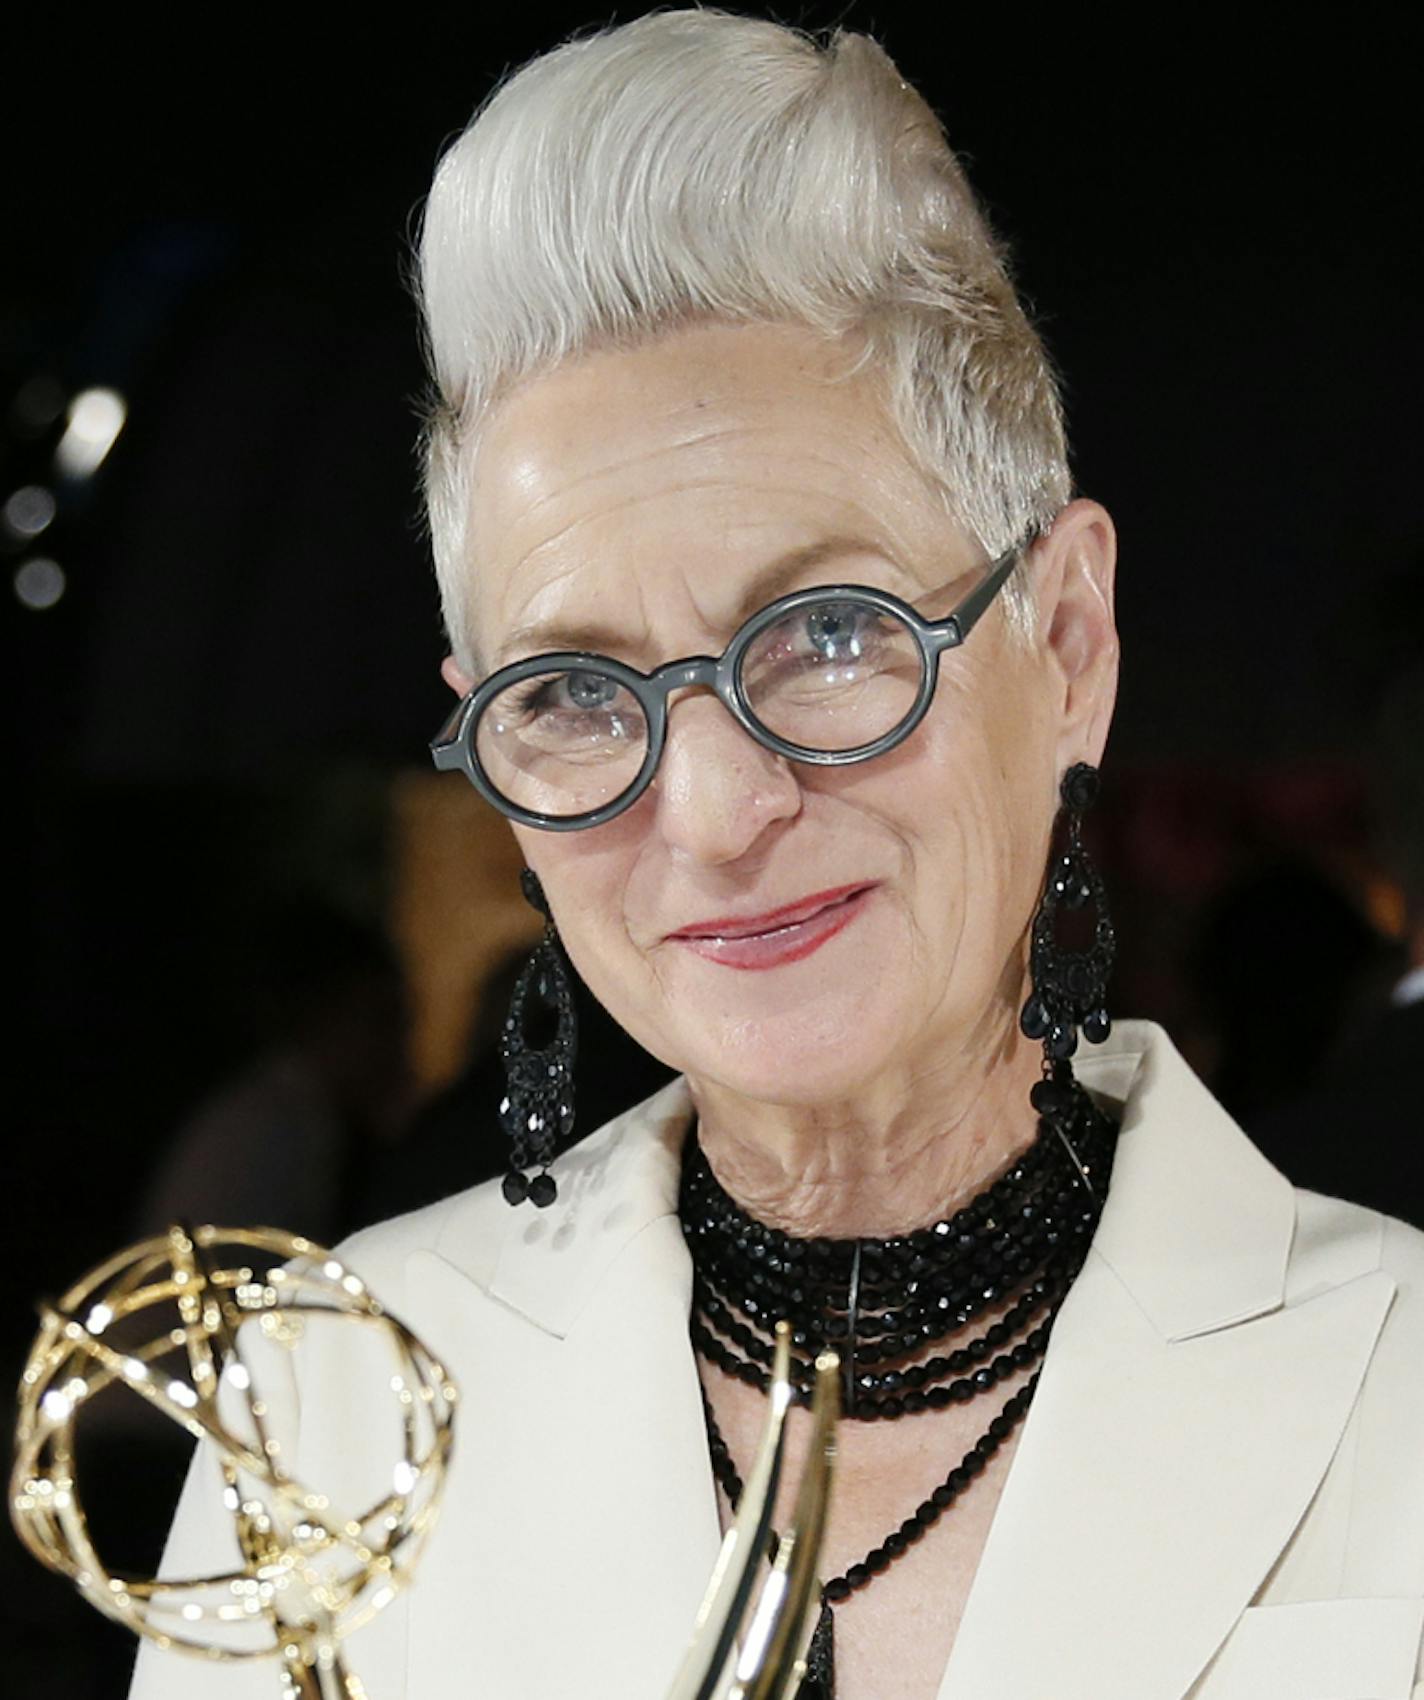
(1336, 1241)
(1402, 1253)
(471, 1229)
(1402, 1256)
(478, 1218)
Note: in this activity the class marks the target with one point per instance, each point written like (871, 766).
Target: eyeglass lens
(830, 676)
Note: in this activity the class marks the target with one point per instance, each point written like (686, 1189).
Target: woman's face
(634, 503)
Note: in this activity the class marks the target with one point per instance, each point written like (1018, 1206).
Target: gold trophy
(755, 1649)
(198, 1322)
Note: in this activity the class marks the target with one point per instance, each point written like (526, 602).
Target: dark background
(1214, 220)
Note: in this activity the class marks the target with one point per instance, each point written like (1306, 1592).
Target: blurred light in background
(39, 583)
(28, 511)
(95, 419)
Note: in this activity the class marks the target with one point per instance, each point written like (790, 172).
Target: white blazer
(1218, 1492)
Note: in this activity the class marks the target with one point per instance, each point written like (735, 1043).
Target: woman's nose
(717, 789)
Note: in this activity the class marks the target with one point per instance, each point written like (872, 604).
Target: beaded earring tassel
(1070, 986)
(537, 1110)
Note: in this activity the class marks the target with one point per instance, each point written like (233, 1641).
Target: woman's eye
(838, 631)
(835, 633)
(589, 690)
(575, 712)
(580, 692)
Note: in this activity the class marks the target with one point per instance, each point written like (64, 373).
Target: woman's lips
(784, 936)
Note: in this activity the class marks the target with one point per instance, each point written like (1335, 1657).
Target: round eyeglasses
(831, 675)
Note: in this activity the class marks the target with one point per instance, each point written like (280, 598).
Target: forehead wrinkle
(738, 489)
(525, 472)
(697, 426)
(574, 484)
(553, 621)
(672, 425)
(874, 522)
(632, 603)
(529, 478)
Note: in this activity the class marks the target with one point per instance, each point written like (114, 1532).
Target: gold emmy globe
(198, 1323)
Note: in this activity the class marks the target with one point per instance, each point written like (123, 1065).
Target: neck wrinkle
(847, 1179)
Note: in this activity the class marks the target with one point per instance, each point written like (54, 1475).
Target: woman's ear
(1080, 642)
(461, 683)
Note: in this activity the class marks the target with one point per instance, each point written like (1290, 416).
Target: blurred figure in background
(1277, 964)
(288, 1141)
(1357, 1132)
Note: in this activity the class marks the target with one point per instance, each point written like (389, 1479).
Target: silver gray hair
(698, 165)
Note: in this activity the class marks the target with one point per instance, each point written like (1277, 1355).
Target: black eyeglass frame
(453, 747)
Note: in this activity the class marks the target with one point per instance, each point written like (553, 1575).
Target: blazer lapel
(580, 1488)
(1188, 1408)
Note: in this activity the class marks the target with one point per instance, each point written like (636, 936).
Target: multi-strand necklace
(904, 1313)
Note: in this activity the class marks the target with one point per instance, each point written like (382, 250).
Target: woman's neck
(902, 1154)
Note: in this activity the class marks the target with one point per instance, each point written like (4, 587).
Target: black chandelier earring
(537, 1110)
(1070, 986)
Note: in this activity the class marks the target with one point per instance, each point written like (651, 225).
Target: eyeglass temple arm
(967, 613)
(445, 746)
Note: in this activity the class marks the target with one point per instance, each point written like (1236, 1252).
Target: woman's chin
(801, 1057)
(811, 1028)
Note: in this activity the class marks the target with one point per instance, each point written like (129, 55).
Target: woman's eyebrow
(765, 586)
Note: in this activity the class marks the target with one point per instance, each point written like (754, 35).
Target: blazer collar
(1197, 1225)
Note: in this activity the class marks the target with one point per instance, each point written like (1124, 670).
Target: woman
(730, 376)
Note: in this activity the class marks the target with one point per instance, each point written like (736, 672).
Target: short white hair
(697, 165)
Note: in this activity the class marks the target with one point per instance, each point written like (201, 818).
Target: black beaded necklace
(886, 1305)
